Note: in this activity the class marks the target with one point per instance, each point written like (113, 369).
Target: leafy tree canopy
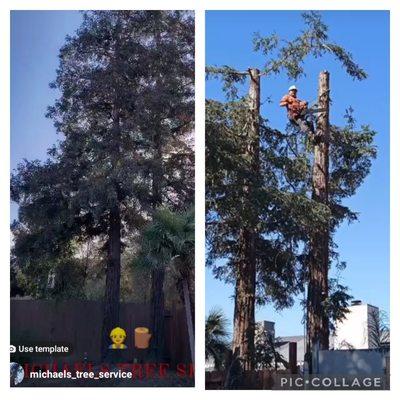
(126, 84)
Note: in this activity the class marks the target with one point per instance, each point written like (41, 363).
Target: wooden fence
(78, 323)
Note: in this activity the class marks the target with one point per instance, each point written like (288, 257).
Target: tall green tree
(280, 213)
(169, 116)
(117, 95)
(281, 217)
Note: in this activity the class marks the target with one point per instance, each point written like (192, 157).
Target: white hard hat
(292, 88)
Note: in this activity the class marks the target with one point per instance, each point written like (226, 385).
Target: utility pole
(317, 320)
(244, 320)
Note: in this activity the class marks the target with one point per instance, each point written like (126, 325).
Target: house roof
(285, 339)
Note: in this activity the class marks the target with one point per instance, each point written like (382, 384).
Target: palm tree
(168, 242)
(216, 345)
(378, 329)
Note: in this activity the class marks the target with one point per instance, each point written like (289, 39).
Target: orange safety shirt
(293, 105)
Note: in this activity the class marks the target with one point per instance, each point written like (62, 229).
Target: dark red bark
(244, 323)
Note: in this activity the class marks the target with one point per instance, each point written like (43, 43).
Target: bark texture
(189, 320)
(157, 275)
(157, 313)
(244, 323)
(113, 278)
(317, 320)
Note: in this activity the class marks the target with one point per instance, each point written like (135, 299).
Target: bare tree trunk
(157, 275)
(317, 320)
(157, 312)
(189, 321)
(113, 277)
(244, 323)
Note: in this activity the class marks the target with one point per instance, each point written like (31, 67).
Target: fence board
(79, 322)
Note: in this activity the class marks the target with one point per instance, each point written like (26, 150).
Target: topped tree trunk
(317, 319)
(244, 323)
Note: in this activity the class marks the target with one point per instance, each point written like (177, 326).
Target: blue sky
(36, 37)
(364, 244)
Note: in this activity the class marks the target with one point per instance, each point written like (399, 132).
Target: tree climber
(297, 111)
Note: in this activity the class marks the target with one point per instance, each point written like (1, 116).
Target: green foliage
(265, 44)
(281, 191)
(280, 200)
(351, 152)
(65, 281)
(16, 286)
(168, 240)
(230, 78)
(53, 279)
(126, 106)
(266, 354)
(337, 302)
(288, 56)
(216, 339)
(314, 41)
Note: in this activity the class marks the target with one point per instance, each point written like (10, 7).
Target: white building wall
(353, 331)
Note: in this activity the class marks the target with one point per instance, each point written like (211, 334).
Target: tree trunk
(244, 323)
(317, 320)
(157, 275)
(189, 321)
(113, 273)
(113, 277)
(157, 312)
